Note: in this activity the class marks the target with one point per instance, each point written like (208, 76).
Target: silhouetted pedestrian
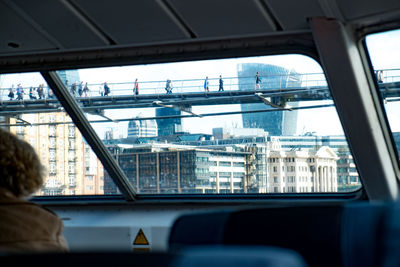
(11, 92)
(258, 81)
(221, 84)
(86, 90)
(73, 89)
(136, 87)
(80, 89)
(32, 93)
(40, 91)
(379, 76)
(106, 89)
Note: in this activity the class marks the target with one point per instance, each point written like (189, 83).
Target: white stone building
(302, 171)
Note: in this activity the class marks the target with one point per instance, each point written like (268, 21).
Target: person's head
(258, 73)
(20, 169)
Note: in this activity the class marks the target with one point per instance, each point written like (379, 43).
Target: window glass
(241, 125)
(30, 110)
(384, 53)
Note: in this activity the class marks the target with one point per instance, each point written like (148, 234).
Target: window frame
(231, 196)
(299, 45)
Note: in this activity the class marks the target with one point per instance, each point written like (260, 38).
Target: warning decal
(140, 239)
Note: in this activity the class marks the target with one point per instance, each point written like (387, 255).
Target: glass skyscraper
(272, 77)
(69, 75)
(168, 127)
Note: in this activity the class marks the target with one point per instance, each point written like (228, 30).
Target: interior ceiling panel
(357, 9)
(61, 23)
(21, 37)
(132, 22)
(293, 14)
(222, 18)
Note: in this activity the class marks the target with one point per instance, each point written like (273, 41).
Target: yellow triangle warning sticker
(140, 239)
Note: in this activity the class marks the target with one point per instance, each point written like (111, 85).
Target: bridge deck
(189, 99)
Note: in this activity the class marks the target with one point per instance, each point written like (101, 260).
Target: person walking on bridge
(40, 91)
(11, 92)
(20, 92)
(206, 85)
(258, 81)
(86, 89)
(80, 89)
(136, 87)
(73, 89)
(379, 75)
(221, 84)
(106, 89)
(168, 87)
(31, 93)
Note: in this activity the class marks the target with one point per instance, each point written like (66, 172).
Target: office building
(165, 168)
(273, 77)
(142, 128)
(71, 166)
(71, 76)
(168, 126)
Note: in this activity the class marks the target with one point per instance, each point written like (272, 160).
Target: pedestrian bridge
(275, 91)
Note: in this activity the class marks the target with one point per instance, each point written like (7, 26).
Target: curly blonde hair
(20, 169)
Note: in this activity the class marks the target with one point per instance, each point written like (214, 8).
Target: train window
(384, 54)
(262, 124)
(30, 110)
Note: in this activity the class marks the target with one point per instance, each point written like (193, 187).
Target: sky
(383, 48)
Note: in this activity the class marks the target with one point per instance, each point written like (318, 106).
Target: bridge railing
(271, 81)
(390, 75)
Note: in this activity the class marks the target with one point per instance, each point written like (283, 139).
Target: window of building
(71, 131)
(52, 130)
(89, 187)
(52, 155)
(52, 169)
(71, 155)
(71, 168)
(71, 144)
(52, 142)
(224, 164)
(71, 179)
(238, 164)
